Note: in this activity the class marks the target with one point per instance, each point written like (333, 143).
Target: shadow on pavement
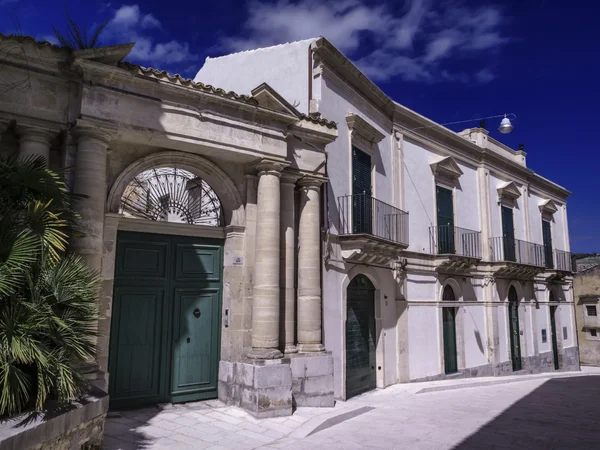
(562, 413)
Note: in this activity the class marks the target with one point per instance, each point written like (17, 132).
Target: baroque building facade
(193, 201)
(443, 254)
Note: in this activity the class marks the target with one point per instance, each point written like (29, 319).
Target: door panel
(508, 234)
(360, 337)
(547, 236)
(450, 359)
(195, 341)
(445, 220)
(554, 337)
(362, 207)
(514, 330)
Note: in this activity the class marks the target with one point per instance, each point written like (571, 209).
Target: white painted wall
(467, 213)
(535, 219)
(542, 320)
(475, 335)
(496, 213)
(503, 338)
(284, 67)
(423, 345)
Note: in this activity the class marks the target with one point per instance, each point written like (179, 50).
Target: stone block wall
(312, 380)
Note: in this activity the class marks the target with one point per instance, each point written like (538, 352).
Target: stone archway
(231, 200)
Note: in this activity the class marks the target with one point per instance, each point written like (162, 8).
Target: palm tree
(75, 39)
(48, 309)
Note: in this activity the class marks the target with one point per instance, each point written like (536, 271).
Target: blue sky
(538, 59)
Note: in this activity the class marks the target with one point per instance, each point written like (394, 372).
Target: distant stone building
(586, 286)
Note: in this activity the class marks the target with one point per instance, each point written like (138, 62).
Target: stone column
(90, 180)
(34, 141)
(288, 261)
(265, 302)
(309, 268)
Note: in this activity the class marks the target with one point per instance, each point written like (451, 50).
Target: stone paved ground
(526, 412)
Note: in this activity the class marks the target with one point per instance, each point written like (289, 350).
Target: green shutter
(554, 337)
(508, 234)
(450, 359)
(515, 332)
(547, 235)
(445, 220)
(361, 190)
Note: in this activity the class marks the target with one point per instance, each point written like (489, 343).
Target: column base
(290, 348)
(263, 388)
(312, 380)
(264, 353)
(311, 348)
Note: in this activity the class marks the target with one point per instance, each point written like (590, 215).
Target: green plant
(75, 39)
(48, 309)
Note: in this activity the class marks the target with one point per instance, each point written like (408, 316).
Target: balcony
(458, 249)
(517, 257)
(591, 321)
(371, 231)
(564, 261)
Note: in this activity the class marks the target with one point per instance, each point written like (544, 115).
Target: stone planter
(78, 426)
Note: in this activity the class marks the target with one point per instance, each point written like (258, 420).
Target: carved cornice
(453, 264)
(310, 183)
(446, 167)
(369, 250)
(268, 166)
(509, 191)
(548, 207)
(358, 125)
(516, 271)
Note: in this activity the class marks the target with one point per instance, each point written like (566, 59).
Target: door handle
(197, 312)
(188, 340)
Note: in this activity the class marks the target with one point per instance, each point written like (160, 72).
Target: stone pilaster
(265, 301)
(90, 181)
(309, 268)
(288, 261)
(34, 141)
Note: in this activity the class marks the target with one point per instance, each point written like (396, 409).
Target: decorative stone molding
(548, 207)
(360, 126)
(516, 271)
(35, 134)
(369, 250)
(446, 167)
(508, 191)
(94, 129)
(310, 183)
(231, 200)
(453, 264)
(267, 166)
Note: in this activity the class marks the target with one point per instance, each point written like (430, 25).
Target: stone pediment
(509, 191)
(548, 207)
(446, 167)
(364, 128)
(268, 98)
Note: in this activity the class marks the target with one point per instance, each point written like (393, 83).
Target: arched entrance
(165, 332)
(449, 329)
(514, 331)
(361, 339)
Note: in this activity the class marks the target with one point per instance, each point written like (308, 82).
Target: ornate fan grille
(170, 194)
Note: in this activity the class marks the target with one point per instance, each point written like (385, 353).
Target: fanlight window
(170, 194)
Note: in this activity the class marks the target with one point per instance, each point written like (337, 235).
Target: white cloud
(129, 24)
(413, 43)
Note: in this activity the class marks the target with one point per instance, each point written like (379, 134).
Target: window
(594, 333)
(565, 335)
(448, 294)
(591, 310)
(544, 336)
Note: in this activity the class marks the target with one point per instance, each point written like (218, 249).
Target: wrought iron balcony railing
(448, 239)
(507, 248)
(363, 214)
(564, 261)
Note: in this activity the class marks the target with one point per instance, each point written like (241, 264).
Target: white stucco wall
(535, 219)
(283, 67)
(424, 351)
(542, 316)
(474, 335)
(558, 230)
(503, 338)
(496, 212)
(467, 213)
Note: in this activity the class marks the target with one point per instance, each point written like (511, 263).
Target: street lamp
(505, 125)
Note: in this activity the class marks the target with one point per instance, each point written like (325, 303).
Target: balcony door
(445, 220)
(508, 234)
(547, 235)
(362, 208)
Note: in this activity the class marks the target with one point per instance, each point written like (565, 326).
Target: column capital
(270, 167)
(33, 133)
(288, 178)
(310, 183)
(86, 129)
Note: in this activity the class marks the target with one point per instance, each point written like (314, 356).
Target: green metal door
(515, 334)
(161, 348)
(445, 220)
(360, 337)
(547, 235)
(508, 234)
(554, 337)
(361, 191)
(450, 359)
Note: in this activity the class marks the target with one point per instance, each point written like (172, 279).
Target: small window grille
(591, 310)
(594, 333)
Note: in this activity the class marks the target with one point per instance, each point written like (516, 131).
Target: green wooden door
(547, 235)
(508, 234)
(449, 321)
(514, 331)
(360, 337)
(445, 220)
(361, 190)
(160, 281)
(554, 337)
